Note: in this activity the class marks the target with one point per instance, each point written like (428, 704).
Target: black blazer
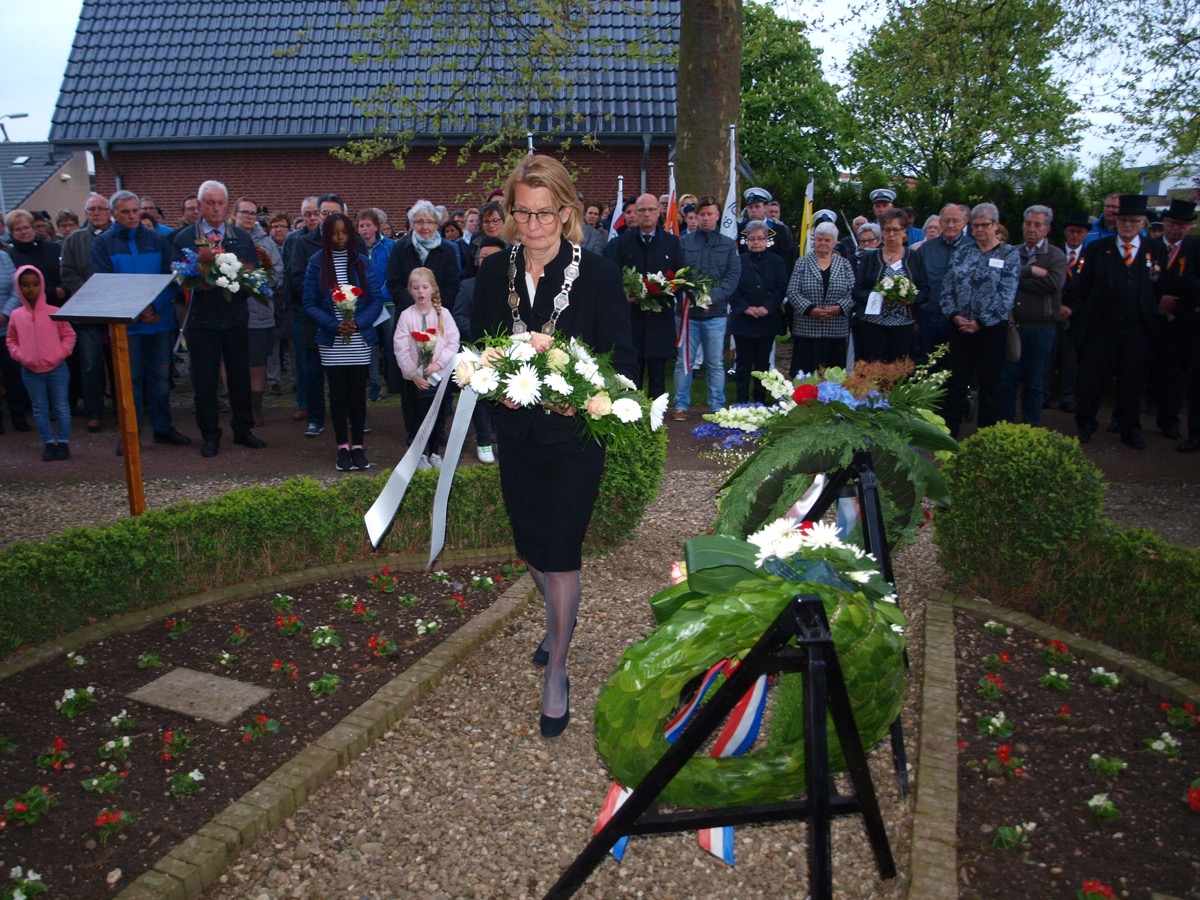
(441, 261)
(763, 282)
(1109, 294)
(210, 308)
(598, 315)
(866, 276)
(653, 332)
(1182, 277)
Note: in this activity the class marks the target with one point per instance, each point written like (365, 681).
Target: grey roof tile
(208, 80)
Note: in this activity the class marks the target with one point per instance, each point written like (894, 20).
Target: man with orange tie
(1116, 312)
(1178, 354)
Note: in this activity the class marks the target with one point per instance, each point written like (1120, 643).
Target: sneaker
(373, 396)
(485, 454)
(435, 460)
(367, 429)
(64, 450)
(313, 429)
(50, 453)
(423, 463)
(360, 458)
(344, 461)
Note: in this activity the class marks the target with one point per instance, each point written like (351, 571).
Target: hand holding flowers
(345, 298)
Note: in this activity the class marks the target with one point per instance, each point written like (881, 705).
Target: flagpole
(729, 220)
(529, 142)
(618, 215)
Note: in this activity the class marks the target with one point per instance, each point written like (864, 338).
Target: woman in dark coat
(754, 317)
(549, 469)
(888, 335)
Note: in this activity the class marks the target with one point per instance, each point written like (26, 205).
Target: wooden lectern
(117, 301)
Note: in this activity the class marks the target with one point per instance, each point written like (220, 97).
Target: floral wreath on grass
(561, 375)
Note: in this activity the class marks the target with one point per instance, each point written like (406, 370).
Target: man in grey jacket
(710, 254)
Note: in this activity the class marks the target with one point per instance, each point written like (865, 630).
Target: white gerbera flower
(522, 352)
(862, 577)
(769, 534)
(627, 409)
(588, 369)
(658, 409)
(484, 381)
(822, 534)
(557, 383)
(625, 382)
(523, 387)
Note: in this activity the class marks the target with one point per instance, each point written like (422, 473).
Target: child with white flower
(425, 344)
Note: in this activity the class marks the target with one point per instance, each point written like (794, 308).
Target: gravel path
(466, 799)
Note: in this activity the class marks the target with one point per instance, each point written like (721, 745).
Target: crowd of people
(1076, 317)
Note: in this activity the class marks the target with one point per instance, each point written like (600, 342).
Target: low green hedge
(54, 586)
(1027, 530)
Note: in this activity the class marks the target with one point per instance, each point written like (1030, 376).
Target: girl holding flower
(343, 298)
(425, 343)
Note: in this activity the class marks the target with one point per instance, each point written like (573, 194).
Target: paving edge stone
(186, 870)
(933, 859)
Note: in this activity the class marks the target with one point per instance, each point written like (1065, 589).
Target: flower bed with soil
(1087, 784)
(93, 799)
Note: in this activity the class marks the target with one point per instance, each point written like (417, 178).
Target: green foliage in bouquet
(1021, 496)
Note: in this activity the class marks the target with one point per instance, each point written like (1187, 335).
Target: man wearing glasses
(933, 328)
(89, 339)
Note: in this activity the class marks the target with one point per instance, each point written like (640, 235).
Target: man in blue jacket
(128, 248)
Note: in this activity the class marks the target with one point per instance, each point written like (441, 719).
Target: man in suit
(1116, 310)
(216, 325)
(650, 249)
(1177, 356)
(1063, 356)
(1037, 311)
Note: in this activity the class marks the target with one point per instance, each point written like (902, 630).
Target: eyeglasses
(94, 208)
(982, 224)
(543, 216)
(894, 230)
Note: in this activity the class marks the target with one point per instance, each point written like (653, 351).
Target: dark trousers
(811, 354)
(207, 347)
(415, 407)
(1166, 370)
(348, 400)
(14, 385)
(933, 328)
(975, 359)
(753, 354)
(1126, 348)
(1062, 358)
(882, 343)
(652, 372)
(89, 347)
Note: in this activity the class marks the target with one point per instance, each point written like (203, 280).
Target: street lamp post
(4, 131)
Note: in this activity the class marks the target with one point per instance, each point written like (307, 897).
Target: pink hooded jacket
(36, 341)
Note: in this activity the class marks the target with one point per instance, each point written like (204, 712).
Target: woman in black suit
(549, 469)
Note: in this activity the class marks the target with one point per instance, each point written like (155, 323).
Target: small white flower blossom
(196, 775)
(625, 382)
(627, 410)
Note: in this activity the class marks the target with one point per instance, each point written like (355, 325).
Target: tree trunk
(710, 77)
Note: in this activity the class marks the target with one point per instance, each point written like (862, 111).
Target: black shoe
(49, 452)
(359, 458)
(344, 462)
(173, 437)
(1086, 432)
(541, 656)
(1189, 445)
(553, 726)
(1170, 432)
(249, 440)
(367, 429)
(1134, 440)
(63, 449)
(210, 448)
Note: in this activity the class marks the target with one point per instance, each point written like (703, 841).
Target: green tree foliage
(1111, 174)
(789, 112)
(490, 72)
(944, 87)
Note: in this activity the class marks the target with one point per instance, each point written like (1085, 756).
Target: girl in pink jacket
(41, 345)
(425, 344)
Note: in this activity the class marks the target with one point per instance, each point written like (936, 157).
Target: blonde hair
(544, 172)
(428, 275)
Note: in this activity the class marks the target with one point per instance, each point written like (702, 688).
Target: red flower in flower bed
(804, 394)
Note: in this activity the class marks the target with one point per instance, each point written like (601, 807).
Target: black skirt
(549, 491)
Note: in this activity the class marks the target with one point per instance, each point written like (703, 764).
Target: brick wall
(279, 179)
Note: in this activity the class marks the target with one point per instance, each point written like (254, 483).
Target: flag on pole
(529, 143)
(618, 213)
(729, 220)
(806, 221)
(671, 225)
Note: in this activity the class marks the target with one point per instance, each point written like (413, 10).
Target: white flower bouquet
(562, 376)
(897, 289)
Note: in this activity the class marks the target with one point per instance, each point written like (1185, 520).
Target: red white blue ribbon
(616, 796)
